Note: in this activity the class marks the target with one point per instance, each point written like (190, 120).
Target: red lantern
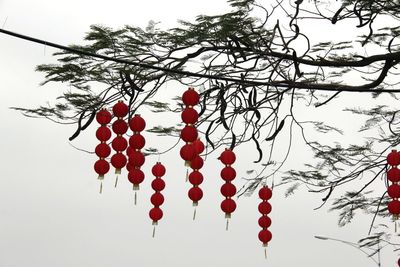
(136, 177)
(265, 236)
(195, 178)
(394, 191)
(198, 146)
(187, 152)
(158, 184)
(265, 193)
(196, 163)
(156, 214)
(136, 159)
(264, 221)
(120, 127)
(119, 143)
(103, 134)
(189, 116)
(195, 194)
(227, 157)
(189, 134)
(157, 199)
(103, 150)
(103, 117)
(228, 206)
(137, 123)
(228, 174)
(264, 207)
(101, 167)
(190, 97)
(120, 109)
(118, 161)
(137, 141)
(394, 207)
(393, 158)
(228, 190)
(158, 170)
(393, 175)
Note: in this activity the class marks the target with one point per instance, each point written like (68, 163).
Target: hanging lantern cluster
(189, 133)
(195, 177)
(102, 150)
(157, 199)
(264, 208)
(136, 158)
(228, 189)
(393, 176)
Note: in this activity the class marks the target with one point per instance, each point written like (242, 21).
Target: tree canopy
(254, 65)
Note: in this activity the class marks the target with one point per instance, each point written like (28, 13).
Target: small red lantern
(101, 167)
(156, 214)
(120, 109)
(103, 133)
(157, 199)
(228, 206)
(195, 194)
(394, 207)
(190, 97)
(137, 124)
(119, 143)
(137, 141)
(393, 158)
(265, 193)
(264, 221)
(187, 152)
(227, 157)
(120, 127)
(103, 117)
(228, 174)
(103, 150)
(394, 191)
(198, 146)
(136, 177)
(265, 236)
(136, 159)
(118, 161)
(158, 184)
(393, 175)
(189, 133)
(196, 163)
(158, 170)
(189, 116)
(196, 178)
(228, 190)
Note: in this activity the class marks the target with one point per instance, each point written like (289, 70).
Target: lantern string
(154, 231)
(101, 187)
(227, 224)
(194, 213)
(135, 198)
(116, 182)
(395, 226)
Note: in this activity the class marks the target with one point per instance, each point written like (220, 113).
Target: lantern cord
(194, 213)
(135, 198)
(227, 224)
(154, 231)
(116, 182)
(187, 174)
(101, 187)
(395, 226)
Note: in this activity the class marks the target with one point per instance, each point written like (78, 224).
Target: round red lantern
(103, 117)
(394, 191)
(137, 123)
(393, 175)
(189, 133)
(120, 126)
(158, 184)
(189, 116)
(228, 174)
(101, 167)
(228, 190)
(187, 152)
(265, 236)
(227, 157)
(265, 193)
(158, 170)
(195, 194)
(120, 109)
(103, 133)
(195, 178)
(264, 221)
(156, 214)
(394, 207)
(264, 207)
(198, 146)
(393, 158)
(228, 206)
(157, 199)
(136, 176)
(136, 159)
(137, 141)
(196, 163)
(119, 143)
(118, 160)
(190, 97)
(103, 150)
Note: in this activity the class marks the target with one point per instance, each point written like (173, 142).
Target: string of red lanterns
(136, 158)
(157, 199)
(228, 190)
(265, 193)
(393, 175)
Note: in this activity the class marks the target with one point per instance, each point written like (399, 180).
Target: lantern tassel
(187, 174)
(101, 187)
(265, 253)
(227, 224)
(395, 226)
(116, 182)
(135, 198)
(194, 213)
(154, 231)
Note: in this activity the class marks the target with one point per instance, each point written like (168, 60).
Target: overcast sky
(51, 213)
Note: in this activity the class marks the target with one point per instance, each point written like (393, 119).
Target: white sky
(50, 211)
